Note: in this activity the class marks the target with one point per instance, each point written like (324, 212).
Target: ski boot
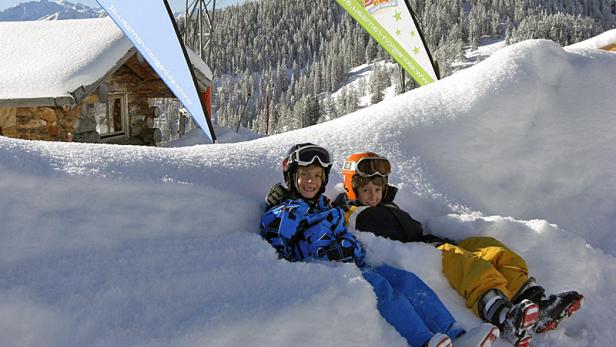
(439, 340)
(552, 309)
(481, 336)
(515, 322)
(555, 308)
(529, 291)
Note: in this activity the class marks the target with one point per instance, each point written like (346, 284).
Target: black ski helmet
(304, 154)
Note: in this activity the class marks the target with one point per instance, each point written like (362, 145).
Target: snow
(50, 59)
(600, 41)
(105, 245)
(487, 47)
(199, 64)
(362, 74)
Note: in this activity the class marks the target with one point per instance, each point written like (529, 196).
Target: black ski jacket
(386, 219)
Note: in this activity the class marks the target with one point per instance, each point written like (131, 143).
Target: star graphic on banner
(398, 16)
(413, 33)
(416, 50)
(398, 32)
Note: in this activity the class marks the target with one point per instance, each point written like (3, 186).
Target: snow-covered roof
(43, 62)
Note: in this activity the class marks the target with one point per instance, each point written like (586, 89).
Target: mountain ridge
(49, 10)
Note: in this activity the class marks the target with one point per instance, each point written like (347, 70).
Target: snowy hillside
(105, 245)
(196, 136)
(49, 10)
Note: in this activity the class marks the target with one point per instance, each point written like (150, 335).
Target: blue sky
(176, 5)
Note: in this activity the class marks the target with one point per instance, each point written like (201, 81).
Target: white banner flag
(392, 24)
(151, 28)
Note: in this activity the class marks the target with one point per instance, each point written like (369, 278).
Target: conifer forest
(276, 63)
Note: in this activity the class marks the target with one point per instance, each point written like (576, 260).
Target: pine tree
(352, 101)
(328, 109)
(370, 51)
(377, 96)
(312, 111)
(341, 100)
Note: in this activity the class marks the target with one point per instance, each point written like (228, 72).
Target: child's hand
(277, 194)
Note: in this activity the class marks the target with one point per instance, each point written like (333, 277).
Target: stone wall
(38, 123)
(141, 112)
(84, 128)
(8, 122)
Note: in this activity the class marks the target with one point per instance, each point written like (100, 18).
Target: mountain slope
(47, 10)
(117, 245)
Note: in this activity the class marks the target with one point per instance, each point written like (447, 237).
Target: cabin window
(113, 121)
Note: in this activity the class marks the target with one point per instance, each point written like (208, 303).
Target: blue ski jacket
(310, 230)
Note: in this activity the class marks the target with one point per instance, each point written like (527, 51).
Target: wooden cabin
(79, 80)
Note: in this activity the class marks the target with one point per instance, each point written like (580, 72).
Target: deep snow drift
(104, 245)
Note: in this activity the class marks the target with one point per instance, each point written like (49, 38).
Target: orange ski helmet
(364, 164)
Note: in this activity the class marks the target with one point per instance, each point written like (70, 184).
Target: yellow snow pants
(478, 264)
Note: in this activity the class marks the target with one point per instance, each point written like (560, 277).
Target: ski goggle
(369, 166)
(307, 155)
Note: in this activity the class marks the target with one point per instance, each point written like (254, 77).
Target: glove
(338, 250)
(341, 201)
(277, 194)
(437, 241)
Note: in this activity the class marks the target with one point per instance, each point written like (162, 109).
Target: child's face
(309, 180)
(370, 194)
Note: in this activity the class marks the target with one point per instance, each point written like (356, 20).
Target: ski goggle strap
(369, 166)
(307, 155)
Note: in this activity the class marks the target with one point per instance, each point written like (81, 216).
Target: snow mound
(600, 41)
(120, 245)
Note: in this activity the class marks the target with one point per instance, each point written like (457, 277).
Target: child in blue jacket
(305, 227)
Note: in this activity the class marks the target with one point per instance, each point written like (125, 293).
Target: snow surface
(603, 40)
(487, 47)
(105, 245)
(362, 74)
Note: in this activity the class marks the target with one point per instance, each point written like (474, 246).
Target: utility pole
(198, 31)
(242, 114)
(198, 34)
(403, 79)
(267, 116)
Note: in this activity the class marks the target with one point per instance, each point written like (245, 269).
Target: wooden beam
(141, 68)
(35, 102)
(154, 89)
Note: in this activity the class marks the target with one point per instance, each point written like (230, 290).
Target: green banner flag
(392, 24)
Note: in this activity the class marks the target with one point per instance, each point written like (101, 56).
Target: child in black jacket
(492, 278)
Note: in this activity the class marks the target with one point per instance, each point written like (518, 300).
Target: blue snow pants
(409, 305)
